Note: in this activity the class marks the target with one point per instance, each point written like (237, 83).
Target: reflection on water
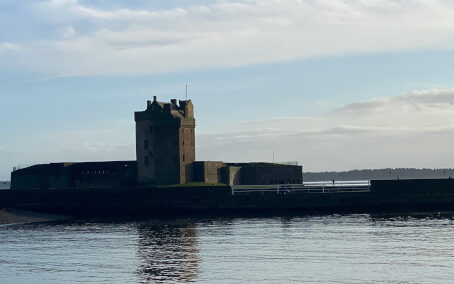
(167, 251)
(324, 249)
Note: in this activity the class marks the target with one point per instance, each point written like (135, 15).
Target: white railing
(307, 187)
(338, 183)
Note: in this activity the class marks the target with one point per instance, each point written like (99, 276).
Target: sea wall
(413, 193)
(117, 201)
(385, 196)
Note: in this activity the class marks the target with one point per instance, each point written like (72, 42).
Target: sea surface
(298, 249)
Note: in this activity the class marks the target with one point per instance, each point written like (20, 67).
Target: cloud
(67, 32)
(223, 33)
(417, 101)
(8, 46)
(98, 147)
(3, 149)
(415, 129)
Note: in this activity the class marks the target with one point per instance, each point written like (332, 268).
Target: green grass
(262, 186)
(192, 184)
(189, 184)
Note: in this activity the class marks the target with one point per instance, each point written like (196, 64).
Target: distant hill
(4, 184)
(379, 174)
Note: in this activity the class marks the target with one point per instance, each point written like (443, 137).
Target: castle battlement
(165, 142)
(183, 112)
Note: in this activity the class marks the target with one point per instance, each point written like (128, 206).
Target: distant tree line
(4, 184)
(380, 174)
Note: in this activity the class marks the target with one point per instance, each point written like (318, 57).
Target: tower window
(145, 144)
(183, 142)
(151, 128)
(147, 161)
(183, 157)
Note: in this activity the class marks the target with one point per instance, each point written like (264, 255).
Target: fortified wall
(165, 155)
(246, 173)
(76, 175)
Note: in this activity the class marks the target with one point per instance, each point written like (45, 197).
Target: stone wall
(207, 171)
(271, 174)
(187, 152)
(245, 173)
(385, 196)
(231, 175)
(76, 175)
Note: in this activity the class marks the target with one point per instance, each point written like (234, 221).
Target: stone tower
(165, 142)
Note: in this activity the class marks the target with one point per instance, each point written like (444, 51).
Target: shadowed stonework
(165, 142)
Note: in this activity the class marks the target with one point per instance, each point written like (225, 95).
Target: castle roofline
(183, 111)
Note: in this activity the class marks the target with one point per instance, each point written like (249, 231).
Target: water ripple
(306, 249)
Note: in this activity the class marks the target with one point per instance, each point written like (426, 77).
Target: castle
(165, 155)
(165, 142)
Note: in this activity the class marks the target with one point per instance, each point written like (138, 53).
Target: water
(312, 249)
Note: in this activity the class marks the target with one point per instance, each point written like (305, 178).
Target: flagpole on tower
(186, 92)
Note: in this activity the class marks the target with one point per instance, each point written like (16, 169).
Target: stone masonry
(165, 142)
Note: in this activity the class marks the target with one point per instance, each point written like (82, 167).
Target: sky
(332, 84)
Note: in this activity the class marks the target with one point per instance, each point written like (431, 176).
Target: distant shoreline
(5, 184)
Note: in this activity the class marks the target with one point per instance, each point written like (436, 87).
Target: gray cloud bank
(93, 40)
(409, 130)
